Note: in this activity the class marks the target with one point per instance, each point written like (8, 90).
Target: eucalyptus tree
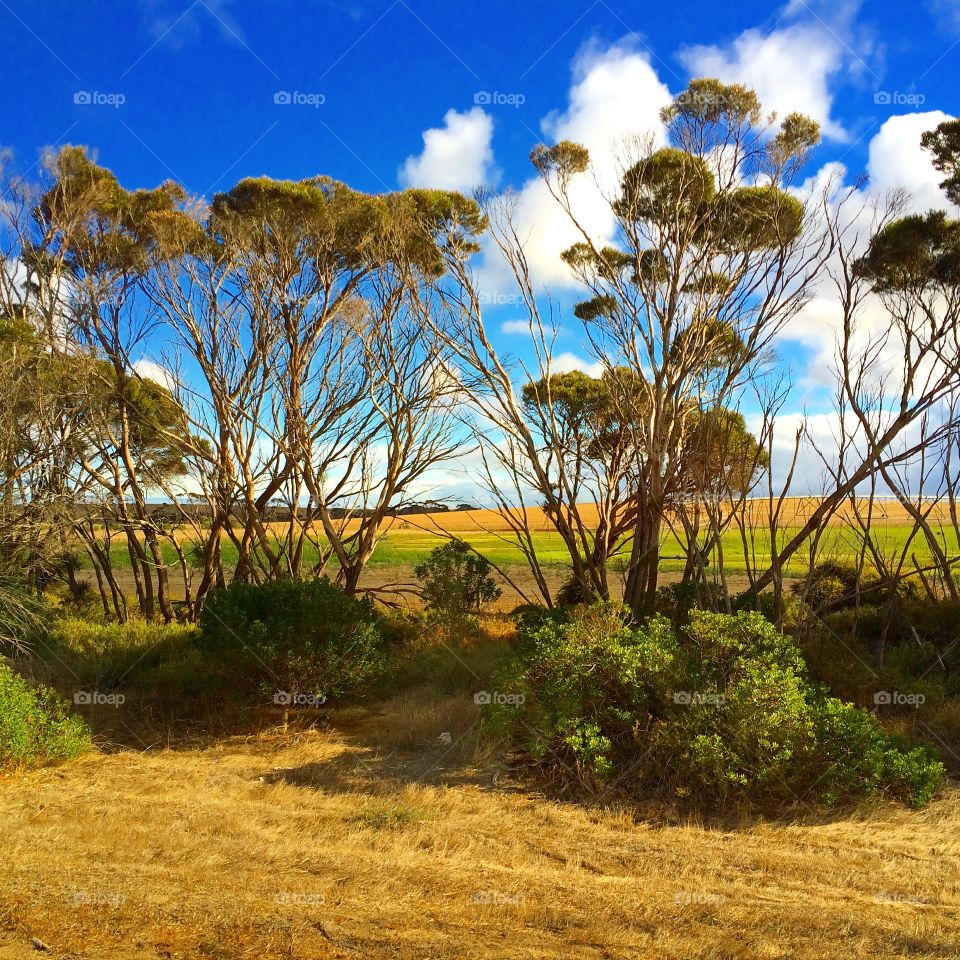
(713, 255)
(898, 369)
(297, 307)
(105, 237)
(943, 143)
(714, 250)
(76, 247)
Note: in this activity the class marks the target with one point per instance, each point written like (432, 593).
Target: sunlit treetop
(606, 414)
(100, 226)
(323, 219)
(914, 253)
(668, 185)
(756, 218)
(710, 101)
(692, 200)
(565, 159)
(944, 145)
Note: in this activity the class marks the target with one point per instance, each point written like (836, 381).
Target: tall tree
(713, 256)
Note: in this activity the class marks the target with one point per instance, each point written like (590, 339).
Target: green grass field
(405, 548)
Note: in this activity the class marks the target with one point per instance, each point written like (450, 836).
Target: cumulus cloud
(515, 326)
(150, 370)
(616, 93)
(456, 156)
(567, 362)
(792, 69)
(896, 160)
(616, 96)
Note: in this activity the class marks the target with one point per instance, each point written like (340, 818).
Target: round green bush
(36, 726)
(456, 581)
(720, 711)
(294, 636)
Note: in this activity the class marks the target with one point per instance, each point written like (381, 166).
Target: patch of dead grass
(367, 840)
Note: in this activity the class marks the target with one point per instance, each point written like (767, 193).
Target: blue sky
(199, 78)
(422, 92)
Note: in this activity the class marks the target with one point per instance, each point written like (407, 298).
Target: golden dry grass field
(369, 837)
(407, 540)
(795, 512)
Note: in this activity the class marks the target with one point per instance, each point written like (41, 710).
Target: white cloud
(897, 160)
(515, 326)
(791, 69)
(567, 362)
(616, 95)
(456, 156)
(150, 370)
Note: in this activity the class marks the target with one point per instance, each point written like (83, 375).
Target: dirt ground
(393, 584)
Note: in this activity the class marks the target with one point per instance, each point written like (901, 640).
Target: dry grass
(373, 838)
(795, 512)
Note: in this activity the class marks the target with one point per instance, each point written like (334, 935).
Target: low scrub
(719, 711)
(834, 585)
(455, 585)
(294, 637)
(153, 669)
(900, 659)
(36, 726)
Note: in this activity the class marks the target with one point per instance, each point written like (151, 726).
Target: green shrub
(301, 637)
(23, 614)
(909, 649)
(676, 600)
(456, 581)
(403, 628)
(574, 592)
(111, 652)
(35, 724)
(156, 666)
(835, 585)
(718, 711)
